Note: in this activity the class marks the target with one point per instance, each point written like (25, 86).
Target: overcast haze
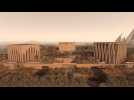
(64, 26)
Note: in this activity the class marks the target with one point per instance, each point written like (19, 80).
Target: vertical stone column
(39, 55)
(108, 53)
(35, 58)
(24, 57)
(8, 54)
(95, 54)
(29, 54)
(26, 54)
(117, 56)
(21, 53)
(17, 55)
(105, 51)
(32, 54)
(113, 59)
(15, 58)
(12, 54)
(97, 50)
(27, 51)
(102, 56)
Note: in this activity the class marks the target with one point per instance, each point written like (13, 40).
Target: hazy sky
(64, 26)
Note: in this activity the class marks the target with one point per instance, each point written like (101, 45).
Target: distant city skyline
(64, 26)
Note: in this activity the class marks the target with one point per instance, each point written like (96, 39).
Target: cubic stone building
(67, 46)
(110, 52)
(24, 53)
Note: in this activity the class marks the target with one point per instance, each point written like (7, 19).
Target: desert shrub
(42, 72)
(44, 77)
(70, 75)
(117, 81)
(93, 82)
(82, 70)
(99, 74)
(120, 66)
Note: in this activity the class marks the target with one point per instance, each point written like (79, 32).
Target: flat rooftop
(109, 42)
(22, 44)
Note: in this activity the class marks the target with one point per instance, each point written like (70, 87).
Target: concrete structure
(130, 64)
(110, 52)
(67, 46)
(119, 39)
(87, 49)
(23, 53)
(64, 60)
(130, 39)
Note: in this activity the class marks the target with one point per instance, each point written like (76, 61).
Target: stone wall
(67, 47)
(23, 53)
(110, 52)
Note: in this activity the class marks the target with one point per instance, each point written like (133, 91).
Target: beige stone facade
(110, 52)
(67, 46)
(24, 53)
(63, 60)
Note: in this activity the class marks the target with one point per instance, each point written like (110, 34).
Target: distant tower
(130, 38)
(119, 38)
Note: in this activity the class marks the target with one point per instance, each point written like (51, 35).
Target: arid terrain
(70, 77)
